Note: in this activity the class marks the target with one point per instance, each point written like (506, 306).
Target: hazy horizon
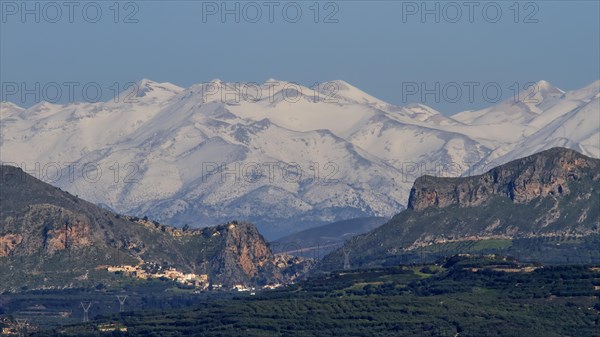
(376, 46)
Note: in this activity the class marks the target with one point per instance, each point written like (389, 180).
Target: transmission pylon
(86, 308)
(121, 299)
(21, 322)
(346, 252)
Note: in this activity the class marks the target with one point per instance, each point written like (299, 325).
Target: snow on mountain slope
(571, 101)
(53, 132)
(282, 155)
(342, 90)
(276, 173)
(298, 167)
(579, 130)
(405, 145)
(172, 154)
(336, 105)
(8, 109)
(425, 114)
(507, 126)
(530, 102)
(8, 113)
(510, 121)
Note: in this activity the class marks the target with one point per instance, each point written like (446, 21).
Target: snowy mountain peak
(529, 103)
(547, 88)
(152, 89)
(345, 86)
(9, 109)
(544, 84)
(146, 82)
(345, 91)
(538, 97)
(533, 95)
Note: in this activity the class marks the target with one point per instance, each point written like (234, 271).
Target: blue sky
(378, 46)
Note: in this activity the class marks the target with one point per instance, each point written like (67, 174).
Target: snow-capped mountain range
(288, 158)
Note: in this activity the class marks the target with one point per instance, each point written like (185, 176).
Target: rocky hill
(552, 194)
(548, 173)
(50, 238)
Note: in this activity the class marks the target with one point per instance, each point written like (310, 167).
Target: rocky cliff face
(45, 228)
(552, 194)
(548, 173)
(50, 238)
(243, 254)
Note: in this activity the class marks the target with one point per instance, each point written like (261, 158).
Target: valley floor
(462, 296)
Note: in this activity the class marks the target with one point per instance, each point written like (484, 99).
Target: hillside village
(198, 281)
